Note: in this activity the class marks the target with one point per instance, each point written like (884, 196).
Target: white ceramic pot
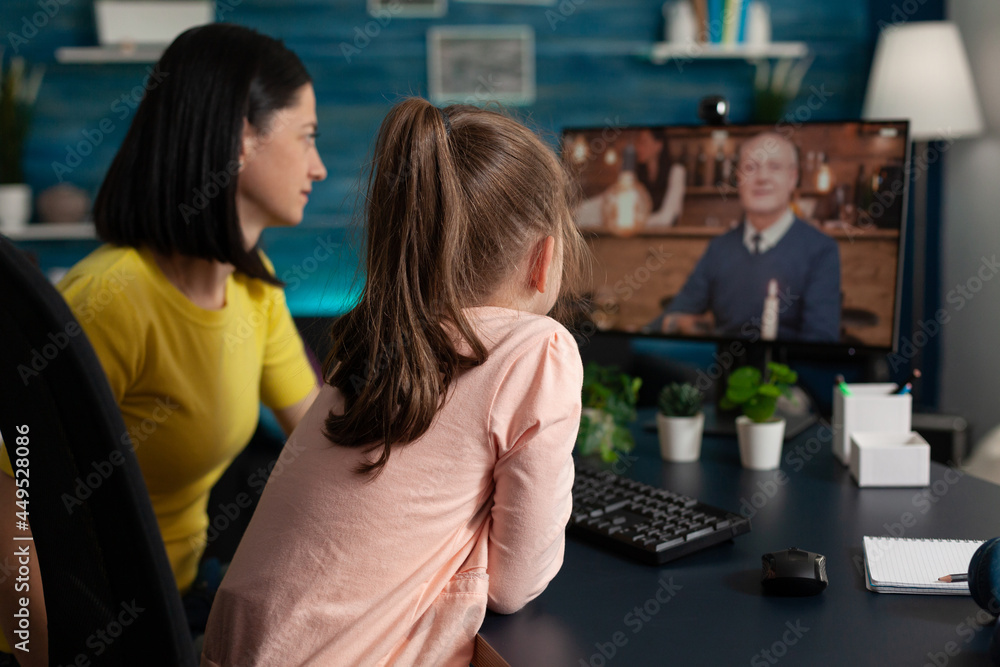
(680, 437)
(760, 444)
(15, 206)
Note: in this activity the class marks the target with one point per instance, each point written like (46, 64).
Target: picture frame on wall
(481, 64)
(412, 9)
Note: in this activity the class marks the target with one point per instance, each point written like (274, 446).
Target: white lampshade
(921, 72)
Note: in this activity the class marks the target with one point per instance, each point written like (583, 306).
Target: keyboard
(643, 522)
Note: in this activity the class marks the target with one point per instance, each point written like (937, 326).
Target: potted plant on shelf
(680, 422)
(775, 85)
(18, 90)
(759, 433)
(609, 399)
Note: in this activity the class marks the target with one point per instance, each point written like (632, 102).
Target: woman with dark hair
(663, 180)
(653, 186)
(185, 314)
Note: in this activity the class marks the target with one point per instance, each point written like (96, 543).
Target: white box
(147, 21)
(890, 459)
(870, 407)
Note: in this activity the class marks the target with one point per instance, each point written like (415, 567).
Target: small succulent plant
(680, 400)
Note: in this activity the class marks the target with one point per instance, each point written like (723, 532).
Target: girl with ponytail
(431, 478)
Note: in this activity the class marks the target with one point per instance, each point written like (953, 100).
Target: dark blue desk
(707, 609)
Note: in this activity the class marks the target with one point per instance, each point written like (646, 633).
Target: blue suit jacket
(732, 283)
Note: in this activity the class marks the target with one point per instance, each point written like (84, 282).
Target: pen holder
(870, 407)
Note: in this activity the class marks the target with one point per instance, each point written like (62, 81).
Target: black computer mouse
(793, 572)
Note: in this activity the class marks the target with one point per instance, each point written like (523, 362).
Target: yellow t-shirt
(189, 381)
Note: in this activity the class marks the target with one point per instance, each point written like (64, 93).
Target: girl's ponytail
(455, 200)
(393, 356)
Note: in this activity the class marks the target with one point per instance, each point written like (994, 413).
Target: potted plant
(609, 399)
(759, 433)
(18, 90)
(680, 422)
(775, 85)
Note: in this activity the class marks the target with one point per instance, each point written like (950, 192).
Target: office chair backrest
(110, 595)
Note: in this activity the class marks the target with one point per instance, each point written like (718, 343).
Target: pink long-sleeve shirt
(339, 569)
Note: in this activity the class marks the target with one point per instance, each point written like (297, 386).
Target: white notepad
(901, 565)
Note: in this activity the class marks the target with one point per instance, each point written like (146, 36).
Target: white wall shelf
(53, 231)
(108, 54)
(662, 52)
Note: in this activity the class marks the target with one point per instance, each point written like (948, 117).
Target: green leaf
(740, 395)
(769, 390)
(636, 384)
(622, 439)
(747, 376)
(781, 374)
(760, 408)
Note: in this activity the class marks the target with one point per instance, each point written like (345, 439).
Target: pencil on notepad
(954, 578)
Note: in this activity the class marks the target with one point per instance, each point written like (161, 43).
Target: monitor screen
(744, 232)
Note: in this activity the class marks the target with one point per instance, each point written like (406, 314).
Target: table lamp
(921, 72)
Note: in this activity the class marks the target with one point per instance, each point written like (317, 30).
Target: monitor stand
(718, 423)
(724, 423)
(799, 415)
(799, 412)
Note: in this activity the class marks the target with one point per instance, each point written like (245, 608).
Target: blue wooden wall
(588, 70)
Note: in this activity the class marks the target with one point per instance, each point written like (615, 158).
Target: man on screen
(773, 276)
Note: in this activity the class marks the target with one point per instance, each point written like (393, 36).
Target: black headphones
(984, 585)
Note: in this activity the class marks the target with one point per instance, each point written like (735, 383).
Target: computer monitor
(790, 233)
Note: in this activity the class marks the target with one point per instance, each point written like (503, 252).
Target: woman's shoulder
(258, 291)
(114, 269)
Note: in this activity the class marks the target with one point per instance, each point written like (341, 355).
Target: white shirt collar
(770, 236)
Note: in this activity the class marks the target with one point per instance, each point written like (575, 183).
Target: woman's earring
(241, 165)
